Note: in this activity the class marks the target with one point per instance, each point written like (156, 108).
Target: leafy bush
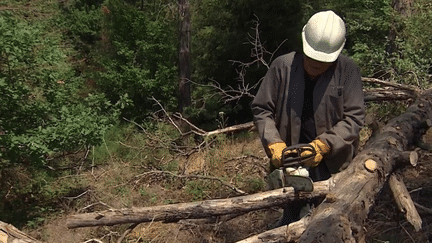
(42, 111)
(141, 59)
(83, 23)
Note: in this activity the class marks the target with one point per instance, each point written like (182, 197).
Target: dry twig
(127, 231)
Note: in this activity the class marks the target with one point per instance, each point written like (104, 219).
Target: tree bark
(195, 210)
(341, 219)
(184, 55)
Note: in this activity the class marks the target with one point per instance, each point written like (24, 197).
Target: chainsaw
(292, 173)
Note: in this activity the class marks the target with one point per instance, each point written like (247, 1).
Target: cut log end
(370, 165)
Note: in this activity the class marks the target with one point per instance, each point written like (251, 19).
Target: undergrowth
(136, 167)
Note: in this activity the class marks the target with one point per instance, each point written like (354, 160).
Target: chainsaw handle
(291, 156)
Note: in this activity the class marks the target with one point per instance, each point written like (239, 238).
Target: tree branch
(195, 210)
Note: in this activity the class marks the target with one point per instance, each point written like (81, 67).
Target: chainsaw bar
(299, 183)
(279, 179)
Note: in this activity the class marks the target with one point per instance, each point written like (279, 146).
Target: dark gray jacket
(338, 105)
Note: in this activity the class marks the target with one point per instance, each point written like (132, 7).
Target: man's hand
(276, 152)
(321, 149)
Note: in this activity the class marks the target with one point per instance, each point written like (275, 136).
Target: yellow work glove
(276, 152)
(321, 149)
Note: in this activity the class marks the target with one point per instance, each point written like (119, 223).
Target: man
(313, 97)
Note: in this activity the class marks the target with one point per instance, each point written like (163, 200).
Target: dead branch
(194, 210)
(405, 87)
(169, 117)
(127, 231)
(194, 128)
(240, 127)
(404, 201)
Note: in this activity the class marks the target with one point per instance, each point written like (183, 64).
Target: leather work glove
(276, 152)
(321, 149)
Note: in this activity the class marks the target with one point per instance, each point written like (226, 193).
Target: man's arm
(264, 106)
(346, 131)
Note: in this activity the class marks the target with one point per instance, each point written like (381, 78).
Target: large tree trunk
(184, 55)
(195, 210)
(404, 8)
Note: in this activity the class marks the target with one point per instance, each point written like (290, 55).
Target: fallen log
(387, 94)
(405, 87)
(196, 210)
(8, 233)
(342, 218)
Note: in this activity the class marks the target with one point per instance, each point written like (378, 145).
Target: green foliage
(410, 62)
(197, 189)
(83, 23)
(42, 111)
(140, 61)
(110, 145)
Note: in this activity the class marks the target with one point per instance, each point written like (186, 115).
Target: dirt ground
(384, 223)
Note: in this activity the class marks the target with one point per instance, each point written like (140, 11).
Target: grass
(117, 178)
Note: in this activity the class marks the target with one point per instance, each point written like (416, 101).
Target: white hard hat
(324, 36)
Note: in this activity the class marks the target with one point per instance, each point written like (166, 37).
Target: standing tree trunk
(184, 55)
(403, 8)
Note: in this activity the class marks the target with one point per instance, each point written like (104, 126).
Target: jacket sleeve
(264, 106)
(346, 132)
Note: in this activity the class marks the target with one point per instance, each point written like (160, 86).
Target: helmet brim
(318, 55)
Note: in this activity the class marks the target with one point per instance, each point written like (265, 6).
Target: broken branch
(195, 210)
(404, 201)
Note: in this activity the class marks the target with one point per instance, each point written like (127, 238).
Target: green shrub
(42, 111)
(83, 23)
(141, 61)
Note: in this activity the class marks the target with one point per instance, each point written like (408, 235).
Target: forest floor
(242, 163)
